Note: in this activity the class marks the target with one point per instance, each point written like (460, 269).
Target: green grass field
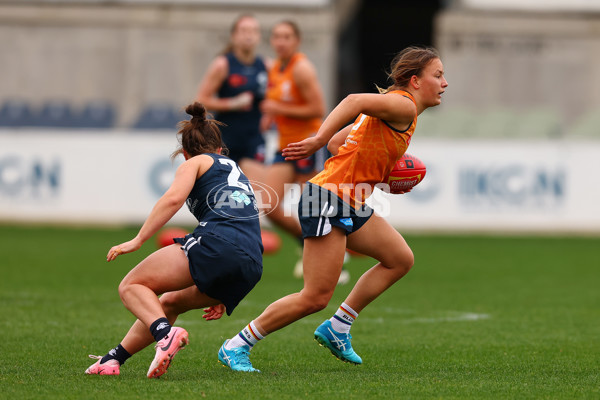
(477, 317)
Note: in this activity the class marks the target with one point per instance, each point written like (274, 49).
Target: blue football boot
(237, 358)
(338, 343)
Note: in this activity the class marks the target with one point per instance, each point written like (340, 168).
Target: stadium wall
(115, 177)
(513, 59)
(134, 54)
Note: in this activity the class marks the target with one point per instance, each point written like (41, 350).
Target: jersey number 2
(234, 175)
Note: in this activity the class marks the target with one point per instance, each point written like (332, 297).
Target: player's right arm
(168, 204)
(338, 139)
(394, 108)
(210, 84)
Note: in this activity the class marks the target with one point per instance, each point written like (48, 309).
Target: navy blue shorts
(219, 268)
(319, 210)
(252, 148)
(303, 166)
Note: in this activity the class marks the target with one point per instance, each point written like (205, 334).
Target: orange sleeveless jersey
(367, 157)
(281, 87)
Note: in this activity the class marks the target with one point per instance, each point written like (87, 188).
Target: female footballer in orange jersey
(294, 105)
(333, 214)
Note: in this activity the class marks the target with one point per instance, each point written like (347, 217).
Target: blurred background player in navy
(215, 267)
(233, 87)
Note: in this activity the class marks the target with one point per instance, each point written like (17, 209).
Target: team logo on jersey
(237, 80)
(242, 199)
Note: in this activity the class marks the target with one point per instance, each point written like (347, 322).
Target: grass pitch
(477, 317)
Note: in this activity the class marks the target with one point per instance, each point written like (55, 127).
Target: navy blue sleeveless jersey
(223, 202)
(241, 125)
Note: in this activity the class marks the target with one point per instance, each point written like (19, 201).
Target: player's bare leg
(323, 258)
(378, 239)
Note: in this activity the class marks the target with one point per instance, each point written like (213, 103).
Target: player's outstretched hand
(123, 248)
(213, 312)
(300, 150)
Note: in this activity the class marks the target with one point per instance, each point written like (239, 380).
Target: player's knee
(319, 305)
(316, 303)
(124, 289)
(169, 303)
(407, 261)
(403, 261)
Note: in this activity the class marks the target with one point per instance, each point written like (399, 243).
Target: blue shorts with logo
(320, 209)
(219, 268)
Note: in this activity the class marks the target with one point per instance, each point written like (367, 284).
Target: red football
(271, 241)
(406, 174)
(165, 237)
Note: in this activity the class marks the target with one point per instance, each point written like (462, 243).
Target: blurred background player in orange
(294, 107)
(233, 88)
(333, 214)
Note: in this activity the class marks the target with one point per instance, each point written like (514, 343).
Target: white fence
(115, 177)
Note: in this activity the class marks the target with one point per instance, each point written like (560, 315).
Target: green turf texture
(477, 317)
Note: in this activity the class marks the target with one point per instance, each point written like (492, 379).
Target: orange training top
(367, 157)
(281, 87)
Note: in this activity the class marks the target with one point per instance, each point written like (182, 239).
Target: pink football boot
(111, 367)
(166, 348)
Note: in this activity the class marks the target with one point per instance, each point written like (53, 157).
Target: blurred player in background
(233, 87)
(333, 214)
(213, 267)
(294, 107)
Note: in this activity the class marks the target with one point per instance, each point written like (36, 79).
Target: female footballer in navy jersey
(233, 86)
(215, 267)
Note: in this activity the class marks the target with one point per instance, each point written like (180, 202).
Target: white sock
(248, 336)
(343, 318)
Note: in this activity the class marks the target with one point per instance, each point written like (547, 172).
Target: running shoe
(166, 348)
(237, 358)
(338, 343)
(110, 367)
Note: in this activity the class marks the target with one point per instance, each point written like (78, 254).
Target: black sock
(160, 328)
(118, 353)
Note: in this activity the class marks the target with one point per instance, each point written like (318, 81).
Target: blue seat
(15, 113)
(55, 114)
(96, 114)
(159, 116)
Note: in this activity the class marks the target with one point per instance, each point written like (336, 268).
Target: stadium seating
(159, 116)
(537, 123)
(493, 124)
(460, 122)
(442, 122)
(15, 113)
(587, 127)
(430, 124)
(55, 114)
(96, 114)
